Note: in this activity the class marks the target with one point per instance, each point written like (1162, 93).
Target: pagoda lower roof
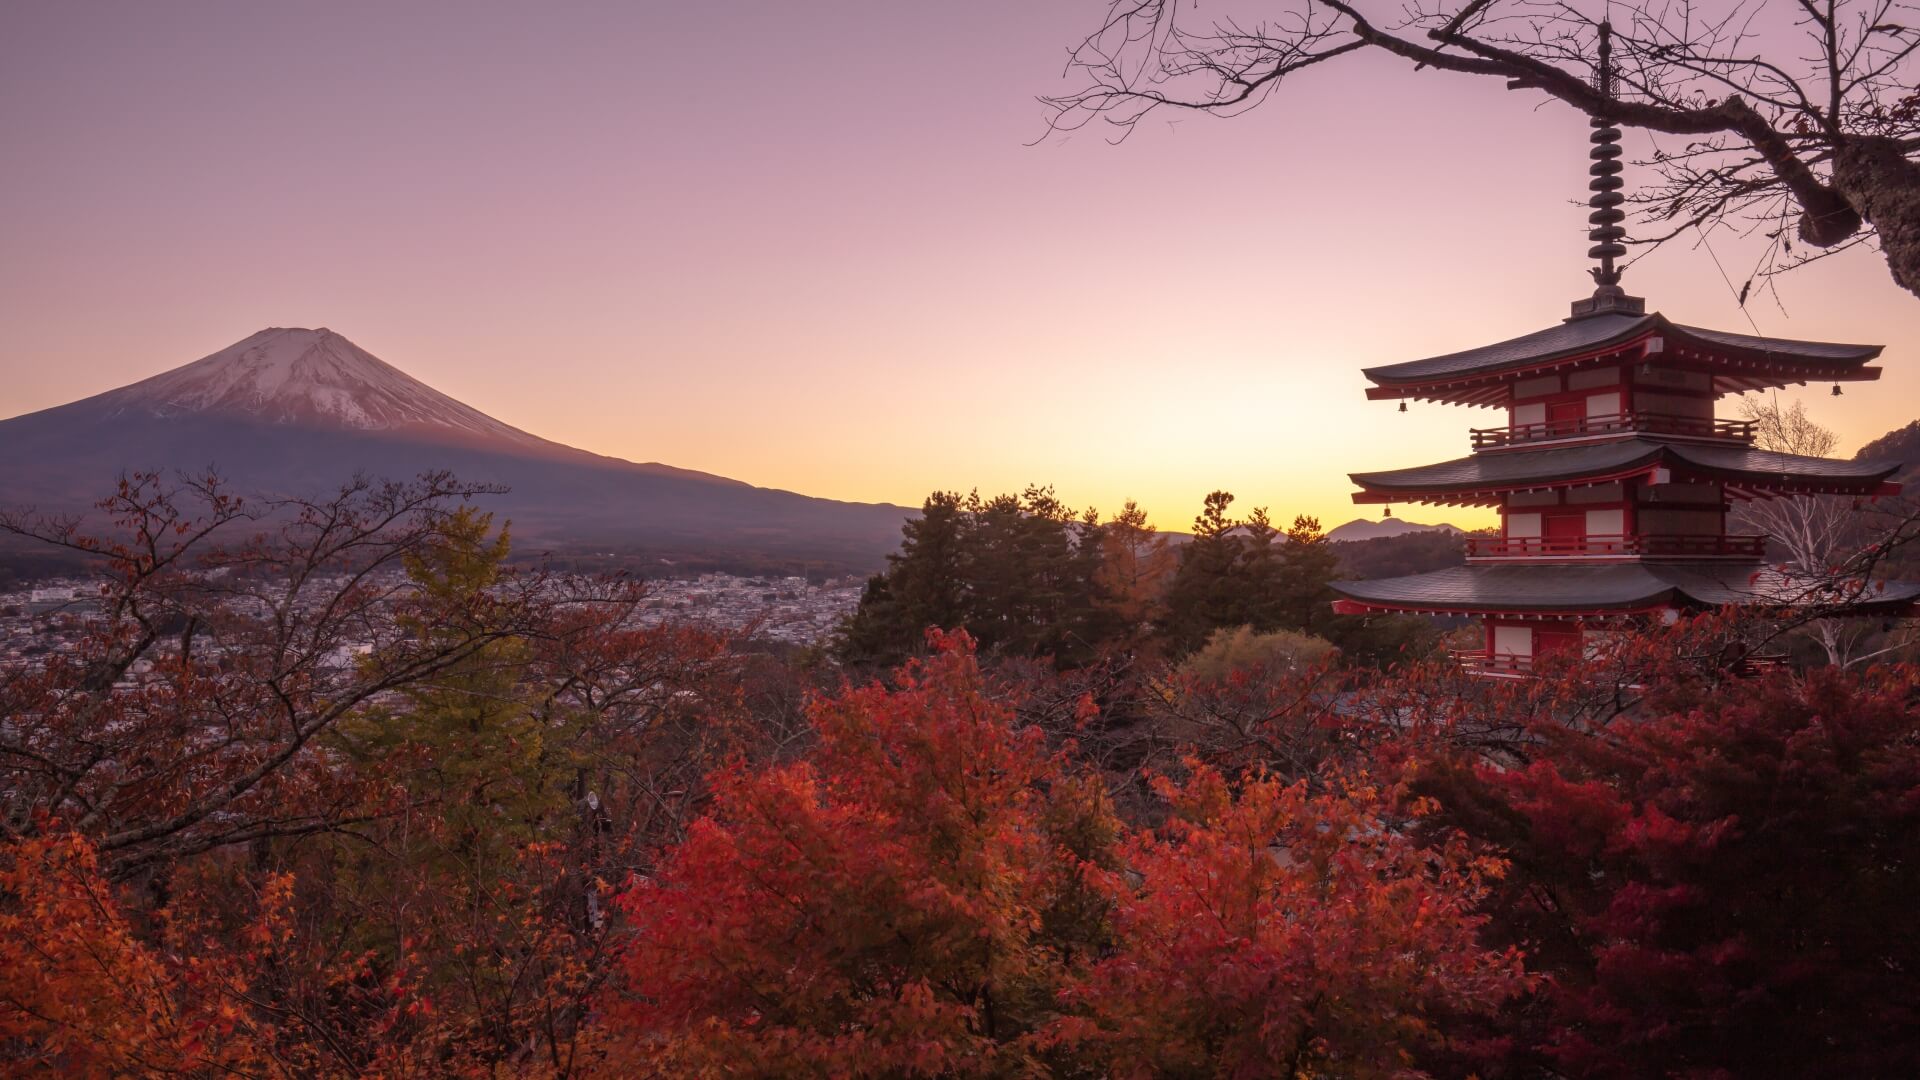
(1601, 589)
(1739, 361)
(1484, 478)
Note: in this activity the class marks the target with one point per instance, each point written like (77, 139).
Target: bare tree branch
(1833, 134)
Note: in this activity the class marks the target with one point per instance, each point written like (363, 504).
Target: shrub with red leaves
(1726, 891)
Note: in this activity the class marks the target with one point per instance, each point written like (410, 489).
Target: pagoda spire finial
(1604, 221)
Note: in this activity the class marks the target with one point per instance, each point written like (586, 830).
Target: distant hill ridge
(1363, 529)
(1901, 445)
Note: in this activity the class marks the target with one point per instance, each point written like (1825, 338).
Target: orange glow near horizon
(835, 267)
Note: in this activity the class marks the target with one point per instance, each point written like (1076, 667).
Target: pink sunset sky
(809, 245)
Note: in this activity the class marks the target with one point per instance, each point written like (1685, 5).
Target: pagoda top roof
(1483, 478)
(1747, 362)
(1600, 589)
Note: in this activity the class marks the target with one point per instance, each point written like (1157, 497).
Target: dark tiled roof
(1832, 351)
(1522, 468)
(1627, 586)
(1765, 463)
(1516, 467)
(1566, 339)
(1599, 332)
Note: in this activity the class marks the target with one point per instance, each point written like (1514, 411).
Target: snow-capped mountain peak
(302, 377)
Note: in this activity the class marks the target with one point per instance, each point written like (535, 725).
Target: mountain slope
(1363, 529)
(289, 411)
(1899, 445)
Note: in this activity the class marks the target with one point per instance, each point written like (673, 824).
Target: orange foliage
(81, 994)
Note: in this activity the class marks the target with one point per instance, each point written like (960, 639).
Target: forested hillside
(1901, 445)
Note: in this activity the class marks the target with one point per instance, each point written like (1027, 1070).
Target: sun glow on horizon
(863, 303)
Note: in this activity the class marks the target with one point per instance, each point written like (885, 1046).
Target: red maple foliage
(935, 892)
(1275, 931)
(350, 796)
(907, 901)
(1722, 891)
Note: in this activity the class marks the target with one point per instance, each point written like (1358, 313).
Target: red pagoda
(1611, 473)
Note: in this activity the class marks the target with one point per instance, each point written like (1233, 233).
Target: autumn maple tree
(935, 892)
(86, 993)
(906, 901)
(1278, 932)
(1724, 889)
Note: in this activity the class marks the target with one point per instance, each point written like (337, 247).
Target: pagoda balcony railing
(1512, 666)
(1482, 662)
(1673, 546)
(1760, 664)
(1651, 422)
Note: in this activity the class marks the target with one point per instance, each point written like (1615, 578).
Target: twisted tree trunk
(1877, 179)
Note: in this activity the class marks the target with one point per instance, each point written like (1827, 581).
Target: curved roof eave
(1613, 588)
(1493, 589)
(1600, 334)
(1597, 463)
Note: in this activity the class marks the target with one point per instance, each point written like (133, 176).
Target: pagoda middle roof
(1482, 477)
(1539, 588)
(1597, 334)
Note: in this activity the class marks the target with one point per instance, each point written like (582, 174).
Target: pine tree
(922, 587)
(1261, 573)
(1303, 597)
(926, 573)
(1205, 594)
(1017, 572)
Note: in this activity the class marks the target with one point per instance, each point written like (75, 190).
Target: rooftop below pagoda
(1600, 589)
(1737, 362)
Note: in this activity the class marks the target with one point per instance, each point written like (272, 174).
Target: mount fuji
(298, 411)
(313, 378)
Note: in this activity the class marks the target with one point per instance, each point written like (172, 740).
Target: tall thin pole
(1605, 231)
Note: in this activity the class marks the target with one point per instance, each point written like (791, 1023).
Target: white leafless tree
(1822, 536)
